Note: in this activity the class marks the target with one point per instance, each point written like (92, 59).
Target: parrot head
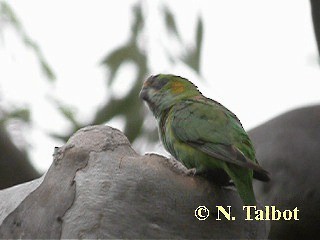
(164, 90)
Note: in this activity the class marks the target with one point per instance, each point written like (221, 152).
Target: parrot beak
(146, 88)
(144, 94)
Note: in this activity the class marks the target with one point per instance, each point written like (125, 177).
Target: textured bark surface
(99, 187)
(288, 146)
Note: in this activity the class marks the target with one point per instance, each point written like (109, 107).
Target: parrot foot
(230, 186)
(191, 172)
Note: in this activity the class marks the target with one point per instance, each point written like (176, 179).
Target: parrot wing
(215, 131)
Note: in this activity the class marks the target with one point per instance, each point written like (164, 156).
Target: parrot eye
(156, 82)
(160, 83)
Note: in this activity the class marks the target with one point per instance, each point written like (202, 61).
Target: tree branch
(99, 187)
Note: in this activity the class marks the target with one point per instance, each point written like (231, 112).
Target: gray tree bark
(99, 187)
(288, 146)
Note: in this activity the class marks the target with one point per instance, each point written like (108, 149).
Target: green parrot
(202, 134)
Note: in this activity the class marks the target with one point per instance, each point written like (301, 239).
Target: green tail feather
(246, 193)
(242, 179)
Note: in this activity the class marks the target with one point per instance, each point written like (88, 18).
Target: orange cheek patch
(178, 87)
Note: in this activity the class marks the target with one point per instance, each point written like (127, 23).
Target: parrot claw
(191, 172)
(228, 187)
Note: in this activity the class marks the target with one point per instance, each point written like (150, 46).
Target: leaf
(22, 114)
(46, 69)
(128, 52)
(199, 35)
(68, 112)
(114, 60)
(7, 15)
(193, 56)
(63, 138)
(129, 107)
(138, 21)
(170, 22)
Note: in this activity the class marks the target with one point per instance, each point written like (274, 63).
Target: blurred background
(69, 64)
(65, 65)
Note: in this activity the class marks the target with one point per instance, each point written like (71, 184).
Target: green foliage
(68, 112)
(192, 58)
(170, 22)
(10, 111)
(193, 55)
(9, 18)
(22, 114)
(130, 107)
